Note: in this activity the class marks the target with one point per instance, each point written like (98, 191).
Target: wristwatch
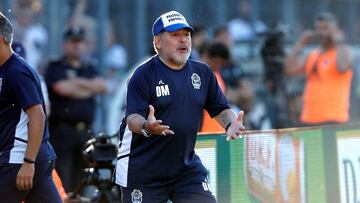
(28, 160)
(144, 131)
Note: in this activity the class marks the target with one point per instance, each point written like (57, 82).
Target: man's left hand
(24, 178)
(236, 128)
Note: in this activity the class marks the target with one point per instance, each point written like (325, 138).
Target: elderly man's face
(174, 47)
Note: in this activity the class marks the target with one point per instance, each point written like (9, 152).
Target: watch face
(145, 133)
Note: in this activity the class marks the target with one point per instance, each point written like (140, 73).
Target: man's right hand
(154, 126)
(24, 178)
(307, 37)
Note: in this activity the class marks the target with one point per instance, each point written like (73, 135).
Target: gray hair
(6, 30)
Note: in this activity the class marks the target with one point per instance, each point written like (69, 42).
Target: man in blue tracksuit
(165, 100)
(26, 156)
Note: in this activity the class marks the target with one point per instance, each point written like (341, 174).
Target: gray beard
(181, 59)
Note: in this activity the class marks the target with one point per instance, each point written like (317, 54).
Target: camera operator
(273, 54)
(328, 71)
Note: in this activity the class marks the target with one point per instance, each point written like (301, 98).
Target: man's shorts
(190, 188)
(43, 190)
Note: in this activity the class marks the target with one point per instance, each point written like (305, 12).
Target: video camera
(272, 54)
(100, 151)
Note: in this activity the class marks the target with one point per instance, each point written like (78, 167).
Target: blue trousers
(189, 188)
(43, 190)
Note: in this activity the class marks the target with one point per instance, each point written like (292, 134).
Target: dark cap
(75, 33)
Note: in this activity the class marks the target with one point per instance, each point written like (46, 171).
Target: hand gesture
(307, 37)
(236, 128)
(24, 178)
(154, 126)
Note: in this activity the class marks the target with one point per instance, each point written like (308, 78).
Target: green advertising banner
(292, 165)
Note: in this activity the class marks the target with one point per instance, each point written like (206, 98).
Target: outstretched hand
(236, 128)
(154, 126)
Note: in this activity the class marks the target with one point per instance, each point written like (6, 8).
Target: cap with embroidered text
(170, 21)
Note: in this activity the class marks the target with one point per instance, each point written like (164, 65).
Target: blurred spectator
(79, 18)
(116, 67)
(273, 55)
(230, 72)
(239, 92)
(257, 116)
(222, 35)
(29, 31)
(328, 71)
(244, 27)
(199, 37)
(116, 59)
(73, 84)
(216, 56)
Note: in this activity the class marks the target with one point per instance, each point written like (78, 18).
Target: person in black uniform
(165, 101)
(26, 156)
(73, 84)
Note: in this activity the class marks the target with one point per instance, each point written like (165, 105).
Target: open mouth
(183, 49)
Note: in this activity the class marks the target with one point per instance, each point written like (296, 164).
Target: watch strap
(144, 131)
(28, 160)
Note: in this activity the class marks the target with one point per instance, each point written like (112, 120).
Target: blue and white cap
(170, 21)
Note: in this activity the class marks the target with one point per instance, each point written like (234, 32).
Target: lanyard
(314, 69)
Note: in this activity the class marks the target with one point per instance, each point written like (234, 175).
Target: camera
(100, 152)
(272, 54)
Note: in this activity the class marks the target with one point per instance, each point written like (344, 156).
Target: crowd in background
(270, 100)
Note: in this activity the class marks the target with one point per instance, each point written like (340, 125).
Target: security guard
(73, 85)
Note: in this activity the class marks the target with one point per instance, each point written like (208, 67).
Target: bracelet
(27, 160)
(227, 127)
